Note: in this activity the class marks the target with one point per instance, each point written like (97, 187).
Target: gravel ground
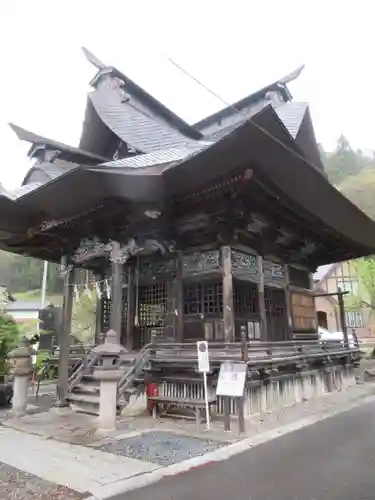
(16, 484)
(162, 448)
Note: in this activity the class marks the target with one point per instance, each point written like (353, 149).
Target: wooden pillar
(288, 303)
(99, 309)
(340, 297)
(115, 320)
(173, 327)
(228, 307)
(64, 340)
(130, 313)
(179, 304)
(261, 302)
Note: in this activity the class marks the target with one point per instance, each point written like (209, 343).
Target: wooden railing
(83, 367)
(184, 356)
(258, 353)
(138, 366)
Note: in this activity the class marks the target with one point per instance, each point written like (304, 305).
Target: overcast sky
(233, 47)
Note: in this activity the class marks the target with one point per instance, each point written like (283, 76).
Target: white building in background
(23, 311)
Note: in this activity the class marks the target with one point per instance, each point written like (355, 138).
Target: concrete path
(40, 445)
(330, 460)
(79, 468)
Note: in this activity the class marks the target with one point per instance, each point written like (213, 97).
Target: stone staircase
(84, 390)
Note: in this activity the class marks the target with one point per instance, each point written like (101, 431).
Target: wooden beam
(64, 340)
(261, 302)
(228, 306)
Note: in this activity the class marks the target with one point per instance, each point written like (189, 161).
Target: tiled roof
(252, 99)
(133, 125)
(290, 113)
(158, 157)
(20, 191)
(25, 135)
(54, 170)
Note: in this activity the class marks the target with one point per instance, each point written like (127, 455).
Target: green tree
(360, 189)
(343, 162)
(9, 338)
(365, 293)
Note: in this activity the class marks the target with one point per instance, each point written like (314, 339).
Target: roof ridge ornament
(93, 59)
(291, 76)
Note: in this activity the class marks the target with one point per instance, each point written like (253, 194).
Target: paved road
(331, 460)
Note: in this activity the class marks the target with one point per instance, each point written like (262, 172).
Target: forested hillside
(350, 171)
(22, 274)
(353, 173)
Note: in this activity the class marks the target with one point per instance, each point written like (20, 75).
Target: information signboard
(232, 378)
(203, 357)
(204, 367)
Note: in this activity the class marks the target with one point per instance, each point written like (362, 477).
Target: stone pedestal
(108, 373)
(22, 370)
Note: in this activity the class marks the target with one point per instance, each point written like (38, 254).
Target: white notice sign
(203, 357)
(232, 378)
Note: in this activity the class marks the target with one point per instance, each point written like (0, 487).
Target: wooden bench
(197, 405)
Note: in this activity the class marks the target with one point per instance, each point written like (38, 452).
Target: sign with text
(203, 357)
(232, 378)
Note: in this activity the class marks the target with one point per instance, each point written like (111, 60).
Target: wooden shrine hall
(199, 229)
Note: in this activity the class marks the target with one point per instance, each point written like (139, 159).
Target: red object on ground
(152, 389)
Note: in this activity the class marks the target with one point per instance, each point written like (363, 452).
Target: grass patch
(29, 296)
(34, 295)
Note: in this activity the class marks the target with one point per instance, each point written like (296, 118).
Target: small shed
(23, 311)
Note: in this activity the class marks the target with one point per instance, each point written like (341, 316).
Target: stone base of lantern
(20, 388)
(108, 399)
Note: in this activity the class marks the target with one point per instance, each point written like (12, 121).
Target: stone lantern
(22, 371)
(108, 373)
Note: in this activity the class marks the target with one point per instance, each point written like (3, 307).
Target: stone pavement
(64, 448)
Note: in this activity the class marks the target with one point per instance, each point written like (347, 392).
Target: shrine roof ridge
(27, 136)
(138, 91)
(279, 84)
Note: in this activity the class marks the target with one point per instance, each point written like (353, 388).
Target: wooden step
(87, 387)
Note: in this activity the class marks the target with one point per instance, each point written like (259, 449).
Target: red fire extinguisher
(152, 389)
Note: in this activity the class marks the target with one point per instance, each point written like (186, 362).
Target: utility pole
(340, 297)
(44, 284)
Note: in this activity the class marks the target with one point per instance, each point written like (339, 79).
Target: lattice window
(354, 319)
(152, 304)
(274, 301)
(347, 285)
(193, 299)
(203, 298)
(245, 299)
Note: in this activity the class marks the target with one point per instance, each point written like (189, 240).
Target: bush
(9, 339)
